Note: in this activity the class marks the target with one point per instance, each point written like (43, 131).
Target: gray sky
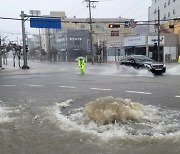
(137, 9)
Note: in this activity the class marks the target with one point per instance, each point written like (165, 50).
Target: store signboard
(135, 41)
(154, 39)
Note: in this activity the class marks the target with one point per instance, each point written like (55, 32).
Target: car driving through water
(143, 62)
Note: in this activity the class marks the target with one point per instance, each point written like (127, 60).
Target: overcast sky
(136, 9)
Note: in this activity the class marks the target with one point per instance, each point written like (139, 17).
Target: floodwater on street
(61, 128)
(64, 127)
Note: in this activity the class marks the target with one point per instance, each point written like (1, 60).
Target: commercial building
(71, 43)
(169, 9)
(146, 45)
(102, 33)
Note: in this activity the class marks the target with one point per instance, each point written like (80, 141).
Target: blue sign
(126, 24)
(45, 23)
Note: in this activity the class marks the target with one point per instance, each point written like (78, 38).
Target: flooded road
(62, 129)
(45, 113)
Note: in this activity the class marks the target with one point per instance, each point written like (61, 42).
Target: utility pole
(158, 35)
(25, 66)
(90, 2)
(0, 54)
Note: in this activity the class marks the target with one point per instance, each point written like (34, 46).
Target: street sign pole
(25, 66)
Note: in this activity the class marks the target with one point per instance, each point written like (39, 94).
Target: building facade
(71, 43)
(101, 31)
(145, 45)
(169, 9)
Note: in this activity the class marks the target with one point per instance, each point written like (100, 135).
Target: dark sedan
(141, 61)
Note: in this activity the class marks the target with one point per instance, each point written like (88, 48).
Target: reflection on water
(141, 122)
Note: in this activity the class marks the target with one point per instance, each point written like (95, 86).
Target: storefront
(147, 45)
(135, 45)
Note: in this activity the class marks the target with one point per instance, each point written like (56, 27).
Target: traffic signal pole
(25, 66)
(0, 54)
(158, 35)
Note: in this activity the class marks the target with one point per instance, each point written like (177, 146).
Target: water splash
(154, 124)
(173, 70)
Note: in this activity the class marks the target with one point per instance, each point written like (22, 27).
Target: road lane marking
(31, 85)
(8, 85)
(139, 92)
(67, 87)
(177, 96)
(100, 89)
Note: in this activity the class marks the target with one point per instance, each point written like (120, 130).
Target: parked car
(143, 62)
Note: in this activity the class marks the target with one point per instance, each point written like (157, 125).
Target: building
(169, 9)
(102, 33)
(147, 45)
(71, 43)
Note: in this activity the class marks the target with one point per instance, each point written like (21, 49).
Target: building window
(82, 26)
(169, 14)
(155, 11)
(97, 26)
(165, 17)
(164, 5)
(174, 12)
(169, 2)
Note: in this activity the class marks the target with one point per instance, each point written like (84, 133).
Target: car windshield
(142, 58)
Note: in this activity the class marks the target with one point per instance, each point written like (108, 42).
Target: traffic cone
(179, 60)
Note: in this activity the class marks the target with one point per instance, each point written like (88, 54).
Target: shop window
(169, 2)
(174, 12)
(164, 5)
(82, 26)
(169, 14)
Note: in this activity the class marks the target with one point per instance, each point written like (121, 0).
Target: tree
(98, 52)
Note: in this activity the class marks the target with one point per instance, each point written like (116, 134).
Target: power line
(6, 18)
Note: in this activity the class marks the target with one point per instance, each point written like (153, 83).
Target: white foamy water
(116, 70)
(156, 124)
(8, 114)
(175, 70)
(4, 114)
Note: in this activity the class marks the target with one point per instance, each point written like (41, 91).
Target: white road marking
(67, 87)
(30, 85)
(8, 85)
(177, 96)
(139, 92)
(100, 89)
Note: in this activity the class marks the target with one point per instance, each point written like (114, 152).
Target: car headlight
(146, 65)
(164, 65)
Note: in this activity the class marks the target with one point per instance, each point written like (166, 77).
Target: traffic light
(27, 48)
(155, 46)
(114, 25)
